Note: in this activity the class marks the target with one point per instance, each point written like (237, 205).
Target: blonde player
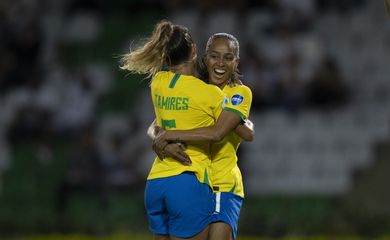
(178, 199)
(221, 61)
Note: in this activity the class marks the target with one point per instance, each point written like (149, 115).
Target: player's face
(221, 61)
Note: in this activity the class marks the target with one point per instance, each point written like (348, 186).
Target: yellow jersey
(226, 176)
(184, 102)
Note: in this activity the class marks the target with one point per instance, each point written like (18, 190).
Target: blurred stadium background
(73, 148)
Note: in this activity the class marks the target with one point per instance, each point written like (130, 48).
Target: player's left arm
(246, 131)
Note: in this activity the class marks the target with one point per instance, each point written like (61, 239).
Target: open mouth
(219, 72)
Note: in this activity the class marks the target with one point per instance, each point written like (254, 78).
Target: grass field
(149, 237)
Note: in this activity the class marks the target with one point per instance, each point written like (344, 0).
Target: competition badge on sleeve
(237, 99)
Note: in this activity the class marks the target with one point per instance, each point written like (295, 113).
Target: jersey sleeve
(240, 101)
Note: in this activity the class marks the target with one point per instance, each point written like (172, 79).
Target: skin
(221, 61)
(200, 236)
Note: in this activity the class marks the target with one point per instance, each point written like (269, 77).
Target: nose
(220, 62)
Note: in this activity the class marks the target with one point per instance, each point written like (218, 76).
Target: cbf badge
(237, 99)
(225, 102)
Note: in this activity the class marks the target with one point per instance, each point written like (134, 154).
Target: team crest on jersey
(237, 99)
(225, 102)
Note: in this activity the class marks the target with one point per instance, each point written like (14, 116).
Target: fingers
(160, 144)
(175, 151)
(160, 141)
(182, 159)
(159, 152)
(185, 157)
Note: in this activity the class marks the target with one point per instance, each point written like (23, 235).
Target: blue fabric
(228, 210)
(179, 206)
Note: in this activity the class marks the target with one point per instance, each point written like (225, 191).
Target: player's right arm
(226, 123)
(232, 115)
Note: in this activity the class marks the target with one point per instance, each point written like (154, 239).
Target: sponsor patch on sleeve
(237, 99)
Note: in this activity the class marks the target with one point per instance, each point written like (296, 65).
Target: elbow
(249, 137)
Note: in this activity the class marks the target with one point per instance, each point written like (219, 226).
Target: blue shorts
(227, 209)
(179, 206)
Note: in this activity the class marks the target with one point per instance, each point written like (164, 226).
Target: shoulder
(239, 89)
(199, 86)
(244, 88)
(161, 75)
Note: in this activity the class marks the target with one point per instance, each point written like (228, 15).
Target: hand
(160, 141)
(157, 130)
(177, 152)
(160, 153)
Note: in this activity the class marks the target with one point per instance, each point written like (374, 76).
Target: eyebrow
(213, 51)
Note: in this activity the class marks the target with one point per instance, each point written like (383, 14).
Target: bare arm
(246, 131)
(174, 150)
(226, 122)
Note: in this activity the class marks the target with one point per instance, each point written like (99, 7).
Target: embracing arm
(226, 122)
(246, 131)
(174, 150)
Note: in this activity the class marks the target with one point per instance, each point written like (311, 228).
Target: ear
(237, 62)
(194, 54)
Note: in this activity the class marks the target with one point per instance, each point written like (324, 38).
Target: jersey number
(167, 124)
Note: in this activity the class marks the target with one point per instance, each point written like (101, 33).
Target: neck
(221, 86)
(184, 69)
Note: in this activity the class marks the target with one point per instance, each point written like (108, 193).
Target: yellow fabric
(183, 104)
(226, 175)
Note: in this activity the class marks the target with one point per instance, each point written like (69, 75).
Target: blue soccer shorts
(227, 210)
(179, 206)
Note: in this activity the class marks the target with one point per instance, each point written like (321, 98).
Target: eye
(229, 58)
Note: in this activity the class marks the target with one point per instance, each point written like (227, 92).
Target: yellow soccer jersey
(226, 175)
(184, 102)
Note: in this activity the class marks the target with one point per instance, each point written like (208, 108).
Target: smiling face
(221, 61)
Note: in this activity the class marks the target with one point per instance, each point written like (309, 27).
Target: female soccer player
(221, 61)
(178, 198)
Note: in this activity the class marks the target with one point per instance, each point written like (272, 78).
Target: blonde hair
(168, 45)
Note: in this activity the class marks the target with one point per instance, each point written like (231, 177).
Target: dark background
(74, 153)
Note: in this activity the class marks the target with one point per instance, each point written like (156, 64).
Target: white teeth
(220, 71)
